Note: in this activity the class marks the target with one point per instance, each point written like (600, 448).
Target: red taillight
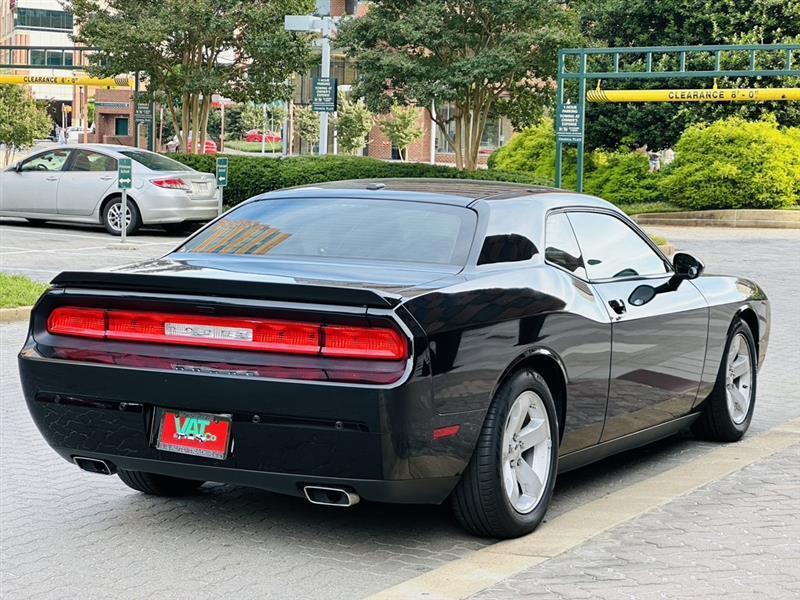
(171, 184)
(376, 343)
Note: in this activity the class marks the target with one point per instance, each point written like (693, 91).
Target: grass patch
(243, 146)
(658, 240)
(17, 290)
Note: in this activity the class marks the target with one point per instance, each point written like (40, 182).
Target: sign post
(124, 183)
(222, 180)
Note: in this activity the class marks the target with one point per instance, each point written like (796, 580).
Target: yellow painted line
(484, 568)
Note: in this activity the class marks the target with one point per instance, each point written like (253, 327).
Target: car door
(657, 348)
(85, 182)
(33, 187)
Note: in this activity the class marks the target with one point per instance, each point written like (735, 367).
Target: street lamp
(326, 26)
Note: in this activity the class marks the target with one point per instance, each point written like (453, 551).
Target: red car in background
(254, 135)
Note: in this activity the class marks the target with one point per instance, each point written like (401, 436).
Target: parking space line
(484, 568)
(71, 235)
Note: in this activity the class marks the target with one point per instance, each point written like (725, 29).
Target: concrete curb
(764, 218)
(9, 315)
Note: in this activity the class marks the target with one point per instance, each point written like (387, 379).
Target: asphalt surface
(64, 531)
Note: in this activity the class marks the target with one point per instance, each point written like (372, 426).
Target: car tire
(727, 412)
(484, 500)
(158, 485)
(111, 212)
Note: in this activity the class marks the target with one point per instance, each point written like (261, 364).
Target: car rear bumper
(285, 435)
(160, 206)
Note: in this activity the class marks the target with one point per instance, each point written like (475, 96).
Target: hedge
(734, 163)
(249, 176)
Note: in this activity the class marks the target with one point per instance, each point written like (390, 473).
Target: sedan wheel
(505, 490)
(112, 217)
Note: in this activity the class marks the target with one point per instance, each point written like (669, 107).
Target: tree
(22, 121)
(306, 124)
(401, 128)
(682, 22)
(252, 116)
(353, 123)
(477, 59)
(189, 50)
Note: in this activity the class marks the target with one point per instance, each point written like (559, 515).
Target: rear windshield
(154, 162)
(342, 229)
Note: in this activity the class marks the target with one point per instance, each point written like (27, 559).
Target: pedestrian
(62, 138)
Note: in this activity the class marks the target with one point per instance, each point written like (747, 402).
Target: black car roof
(462, 192)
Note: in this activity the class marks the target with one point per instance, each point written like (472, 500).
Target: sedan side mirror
(687, 266)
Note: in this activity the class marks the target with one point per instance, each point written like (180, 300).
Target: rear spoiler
(200, 286)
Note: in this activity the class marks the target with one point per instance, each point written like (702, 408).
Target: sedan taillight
(171, 184)
(235, 333)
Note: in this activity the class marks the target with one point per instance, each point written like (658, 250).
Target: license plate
(203, 188)
(198, 434)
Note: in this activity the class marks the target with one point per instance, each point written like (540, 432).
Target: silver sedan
(78, 183)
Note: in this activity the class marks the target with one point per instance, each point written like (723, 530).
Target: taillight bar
(235, 333)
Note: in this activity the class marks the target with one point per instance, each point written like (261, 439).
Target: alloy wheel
(739, 379)
(527, 445)
(115, 216)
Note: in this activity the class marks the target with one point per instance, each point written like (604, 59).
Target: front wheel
(112, 217)
(729, 409)
(507, 486)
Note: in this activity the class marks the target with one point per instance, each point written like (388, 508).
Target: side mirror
(687, 266)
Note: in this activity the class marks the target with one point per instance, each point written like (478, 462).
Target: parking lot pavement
(63, 531)
(41, 252)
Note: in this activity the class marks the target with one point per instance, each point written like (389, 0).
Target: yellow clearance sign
(701, 95)
(121, 81)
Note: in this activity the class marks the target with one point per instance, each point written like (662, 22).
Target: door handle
(106, 178)
(618, 306)
(51, 178)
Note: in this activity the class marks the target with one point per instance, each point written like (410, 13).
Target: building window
(121, 126)
(39, 18)
(494, 135)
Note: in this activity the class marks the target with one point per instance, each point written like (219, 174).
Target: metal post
(559, 102)
(326, 72)
(123, 223)
(219, 199)
(434, 131)
(582, 116)
(285, 131)
(135, 102)
(264, 131)
(151, 128)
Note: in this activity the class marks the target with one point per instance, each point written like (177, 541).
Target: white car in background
(78, 183)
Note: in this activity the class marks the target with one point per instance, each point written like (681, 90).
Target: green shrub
(734, 163)
(249, 176)
(621, 177)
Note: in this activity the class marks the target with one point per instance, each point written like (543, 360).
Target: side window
(509, 232)
(85, 160)
(510, 247)
(47, 161)
(561, 247)
(612, 249)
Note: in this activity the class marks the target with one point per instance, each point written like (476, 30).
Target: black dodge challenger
(399, 341)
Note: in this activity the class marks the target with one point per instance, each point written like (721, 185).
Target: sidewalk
(737, 538)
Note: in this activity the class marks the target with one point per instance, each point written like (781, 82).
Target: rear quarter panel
(480, 328)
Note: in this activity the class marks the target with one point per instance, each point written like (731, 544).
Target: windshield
(154, 162)
(342, 229)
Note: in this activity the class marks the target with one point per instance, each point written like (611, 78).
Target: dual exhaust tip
(330, 496)
(316, 494)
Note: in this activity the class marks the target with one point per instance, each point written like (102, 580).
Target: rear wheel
(728, 411)
(158, 485)
(507, 486)
(112, 217)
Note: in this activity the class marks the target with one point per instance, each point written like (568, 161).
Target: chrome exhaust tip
(94, 465)
(330, 496)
